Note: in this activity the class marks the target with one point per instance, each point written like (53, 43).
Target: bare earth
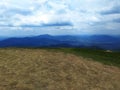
(36, 69)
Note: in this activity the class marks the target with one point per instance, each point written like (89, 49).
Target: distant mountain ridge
(94, 41)
(3, 38)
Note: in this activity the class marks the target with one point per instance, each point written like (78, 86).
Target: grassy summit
(58, 69)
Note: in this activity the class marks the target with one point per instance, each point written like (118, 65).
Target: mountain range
(90, 41)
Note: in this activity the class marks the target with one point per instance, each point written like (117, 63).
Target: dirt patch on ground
(36, 69)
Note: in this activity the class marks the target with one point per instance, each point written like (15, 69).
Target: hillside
(91, 41)
(45, 69)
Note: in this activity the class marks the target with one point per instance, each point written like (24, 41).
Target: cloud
(58, 24)
(117, 20)
(113, 10)
(82, 15)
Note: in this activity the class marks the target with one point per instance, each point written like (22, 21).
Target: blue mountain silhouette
(94, 41)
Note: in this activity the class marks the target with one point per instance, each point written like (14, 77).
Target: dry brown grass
(36, 69)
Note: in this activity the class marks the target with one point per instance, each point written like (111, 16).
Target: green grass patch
(109, 58)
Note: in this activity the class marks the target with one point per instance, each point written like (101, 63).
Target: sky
(59, 17)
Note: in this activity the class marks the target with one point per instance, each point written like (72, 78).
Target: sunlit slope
(40, 69)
